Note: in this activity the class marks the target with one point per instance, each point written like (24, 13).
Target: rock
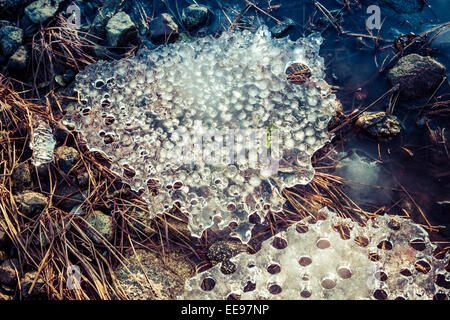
(10, 40)
(221, 251)
(337, 117)
(279, 30)
(8, 272)
(19, 60)
(142, 221)
(163, 28)
(154, 277)
(31, 203)
(67, 158)
(417, 76)
(62, 134)
(67, 197)
(379, 125)
(42, 10)
(440, 211)
(83, 179)
(21, 178)
(120, 30)
(194, 16)
(106, 12)
(27, 284)
(102, 224)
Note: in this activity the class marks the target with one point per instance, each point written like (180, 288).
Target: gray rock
(21, 177)
(8, 272)
(279, 30)
(10, 39)
(150, 276)
(379, 125)
(106, 12)
(194, 16)
(19, 60)
(163, 28)
(31, 203)
(67, 158)
(27, 287)
(120, 29)
(100, 223)
(417, 76)
(42, 10)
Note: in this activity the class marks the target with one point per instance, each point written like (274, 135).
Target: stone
(67, 158)
(31, 203)
(279, 30)
(120, 30)
(27, 284)
(142, 221)
(100, 223)
(8, 272)
(150, 276)
(163, 28)
(379, 125)
(42, 10)
(21, 177)
(106, 12)
(194, 16)
(221, 251)
(417, 76)
(10, 40)
(19, 60)
(67, 197)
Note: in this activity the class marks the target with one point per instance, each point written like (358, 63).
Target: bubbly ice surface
(139, 110)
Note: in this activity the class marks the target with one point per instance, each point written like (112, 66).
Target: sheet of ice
(145, 111)
(42, 142)
(317, 263)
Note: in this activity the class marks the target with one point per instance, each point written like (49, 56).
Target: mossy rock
(379, 125)
(150, 276)
(21, 178)
(417, 76)
(194, 16)
(100, 223)
(31, 203)
(224, 250)
(67, 158)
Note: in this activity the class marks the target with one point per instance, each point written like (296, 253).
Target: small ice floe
(42, 142)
